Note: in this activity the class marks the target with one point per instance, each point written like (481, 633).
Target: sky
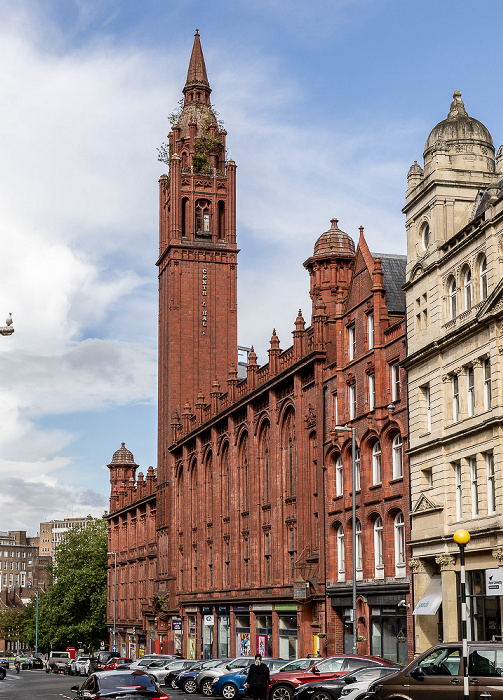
(326, 105)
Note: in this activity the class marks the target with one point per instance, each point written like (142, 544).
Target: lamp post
(9, 328)
(36, 628)
(461, 538)
(114, 643)
(347, 429)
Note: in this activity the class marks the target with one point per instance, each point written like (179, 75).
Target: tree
(12, 622)
(73, 609)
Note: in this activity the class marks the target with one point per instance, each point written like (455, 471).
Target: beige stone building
(454, 294)
(53, 531)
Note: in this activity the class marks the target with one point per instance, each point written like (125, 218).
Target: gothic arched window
(203, 217)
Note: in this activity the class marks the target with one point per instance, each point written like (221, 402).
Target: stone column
(447, 566)
(425, 626)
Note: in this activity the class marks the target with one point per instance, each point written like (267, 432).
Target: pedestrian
(258, 679)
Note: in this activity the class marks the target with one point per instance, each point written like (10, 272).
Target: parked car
(332, 690)
(147, 659)
(3, 672)
(175, 670)
(232, 685)
(284, 683)
(438, 674)
(117, 662)
(103, 657)
(32, 662)
(82, 665)
(158, 668)
(4, 662)
(205, 678)
(126, 684)
(187, 680)
(57, 661)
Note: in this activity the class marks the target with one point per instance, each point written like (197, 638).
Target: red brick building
(247, 504)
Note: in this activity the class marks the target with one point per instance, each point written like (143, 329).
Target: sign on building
(494, 581)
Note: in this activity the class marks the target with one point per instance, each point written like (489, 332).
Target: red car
(284, 682)
(114, 663)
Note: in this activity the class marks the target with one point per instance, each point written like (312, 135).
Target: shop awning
(432, 598)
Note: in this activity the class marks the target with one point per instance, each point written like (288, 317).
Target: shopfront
(207, 628)
(242, 629)
(263, 629)
(287, 630)
(191, 633)
(223, 625)
(483, 611)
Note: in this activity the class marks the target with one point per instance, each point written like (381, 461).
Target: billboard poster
(243, 644)
(191, 652)
(261, 644)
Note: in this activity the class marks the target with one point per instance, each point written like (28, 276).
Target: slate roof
(393, 267)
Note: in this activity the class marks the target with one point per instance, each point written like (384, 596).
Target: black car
(135, 684)
(332, 689)
(178, 667)
(32, 662)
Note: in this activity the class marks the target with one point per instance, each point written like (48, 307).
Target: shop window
(482, 612)
(389, 633)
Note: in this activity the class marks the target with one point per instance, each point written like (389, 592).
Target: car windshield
(126, 681)
(298, 665)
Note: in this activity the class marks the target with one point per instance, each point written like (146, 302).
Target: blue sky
(326, 104)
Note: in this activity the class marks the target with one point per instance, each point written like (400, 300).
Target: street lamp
(347, 429)
(461, 538)
(115, 599)
(9, 328)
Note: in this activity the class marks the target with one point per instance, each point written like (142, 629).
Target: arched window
(467, 286)
(209, 489)
(483, 277)
(289, 453)
(359, 551)
(203, 217)
(244, 473)
(266, 471)
(341, 560)
(397, 448)
(357, 469)
(339, 477)
(399, 545)
(194, 495)
(378, 548)
(452, 291)
(376, 463)
(221, 220)
(227, 481)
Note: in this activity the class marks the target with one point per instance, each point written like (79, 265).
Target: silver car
(159, 668)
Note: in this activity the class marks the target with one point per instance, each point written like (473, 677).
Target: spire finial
(457, 106)
(196, 74)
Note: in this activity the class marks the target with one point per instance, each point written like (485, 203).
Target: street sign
(209, 620)
(114, 648)
(494, 581)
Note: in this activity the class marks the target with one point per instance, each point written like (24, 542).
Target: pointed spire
(196, 74)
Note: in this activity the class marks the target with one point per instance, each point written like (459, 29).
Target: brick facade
(246, 498)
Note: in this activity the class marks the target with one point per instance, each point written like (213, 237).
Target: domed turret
(459, 142)
(334, 242)
(123, 456)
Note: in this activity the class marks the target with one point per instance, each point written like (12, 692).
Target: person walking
(258, 679)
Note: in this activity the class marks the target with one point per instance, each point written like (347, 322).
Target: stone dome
(123, 456)
(334, 242)
(459, 129)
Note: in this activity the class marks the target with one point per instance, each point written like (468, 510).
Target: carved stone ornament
(446, 562)
(421, 566)
(425, 504)
(498, 554)
(310, 417)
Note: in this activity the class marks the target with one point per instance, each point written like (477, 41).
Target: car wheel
(228, 691)
(189, 685)
(281, 692)
(2, 673)
(321, 696)
(207, 687)
(173, 684)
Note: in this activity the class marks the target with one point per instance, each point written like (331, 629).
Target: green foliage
(73, 610)
(12, 623)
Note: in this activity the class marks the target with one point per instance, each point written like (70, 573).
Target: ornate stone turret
(330, 267)
(122, 467)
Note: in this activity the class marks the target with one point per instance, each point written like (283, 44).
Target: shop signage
(286, 606)
(494, 581)
(206, 609)
(266, 607)
(209, 620)
(241, 608)
(223, 609)
(192, 609)
(176, 625)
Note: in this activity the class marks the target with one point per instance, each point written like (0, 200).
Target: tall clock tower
(197, 262)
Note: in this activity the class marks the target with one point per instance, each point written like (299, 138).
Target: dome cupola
(334, 243)
(459, 142)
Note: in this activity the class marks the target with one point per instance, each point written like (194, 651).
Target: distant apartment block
(21, 565)
(53, 531)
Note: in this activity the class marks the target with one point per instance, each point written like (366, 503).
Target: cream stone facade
(454, 297)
